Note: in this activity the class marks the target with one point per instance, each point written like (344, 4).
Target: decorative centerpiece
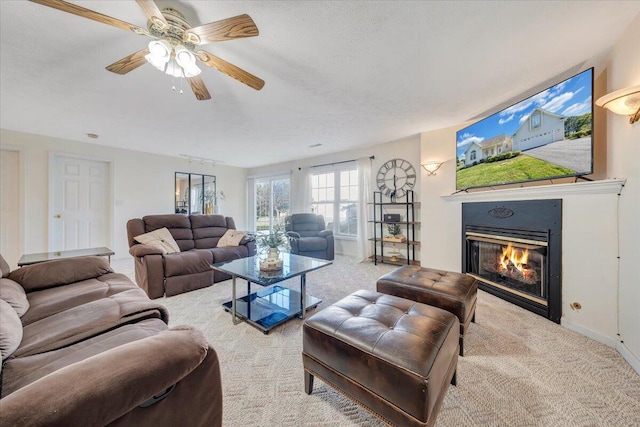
(270, 244)
(395, 234)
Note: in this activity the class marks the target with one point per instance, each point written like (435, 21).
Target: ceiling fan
(175, 47)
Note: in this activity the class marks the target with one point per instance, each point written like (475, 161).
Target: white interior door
(80, 203)
(10, 246)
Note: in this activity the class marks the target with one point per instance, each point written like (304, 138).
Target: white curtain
(364, 196)
(302, 197)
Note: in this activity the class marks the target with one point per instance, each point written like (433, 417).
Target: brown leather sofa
(197, 236)
(82, 345)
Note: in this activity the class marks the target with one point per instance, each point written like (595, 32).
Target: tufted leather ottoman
(457, 293)
(392, 355)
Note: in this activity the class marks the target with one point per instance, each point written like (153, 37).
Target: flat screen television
(546, 136)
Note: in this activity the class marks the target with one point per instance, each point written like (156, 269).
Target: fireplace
(514, 250)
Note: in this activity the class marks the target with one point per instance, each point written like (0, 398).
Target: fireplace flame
(514, 258)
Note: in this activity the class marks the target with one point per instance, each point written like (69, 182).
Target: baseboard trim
(608, 341)
(631, 359)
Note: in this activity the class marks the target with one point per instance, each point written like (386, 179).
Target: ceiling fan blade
(198, 88)
(129, 63)
(152, 11)
(230, 69)
(90, 14)
(226, 29)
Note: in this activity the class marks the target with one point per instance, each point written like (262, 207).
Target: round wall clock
(395, 178)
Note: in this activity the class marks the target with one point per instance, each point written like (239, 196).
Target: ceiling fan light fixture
(159, 53)
(184, 57)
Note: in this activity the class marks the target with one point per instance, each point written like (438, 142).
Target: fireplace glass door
(514, 265)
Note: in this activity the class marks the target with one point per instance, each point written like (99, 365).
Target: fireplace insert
(513, 250)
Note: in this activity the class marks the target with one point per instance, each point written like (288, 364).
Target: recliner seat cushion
(191, 262)
(63, 329)
(22, 371)
(311, 244)
(229, 253)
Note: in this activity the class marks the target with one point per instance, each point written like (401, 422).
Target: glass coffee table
(29, 259)
(274, 304)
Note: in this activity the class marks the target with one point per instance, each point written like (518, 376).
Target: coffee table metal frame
(275, 304)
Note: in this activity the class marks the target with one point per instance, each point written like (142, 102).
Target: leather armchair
(308, 236)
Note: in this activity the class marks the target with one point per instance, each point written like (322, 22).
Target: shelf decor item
(395, 234)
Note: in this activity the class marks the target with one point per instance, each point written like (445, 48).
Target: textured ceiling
(343, 74)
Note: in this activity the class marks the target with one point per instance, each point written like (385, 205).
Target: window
(334, 195)
(272, 202)
(472, 155)
(536, 120)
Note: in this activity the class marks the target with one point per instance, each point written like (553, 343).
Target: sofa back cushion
(208, 229)
(10, 330)
(178, 225)
(15, 295)
(59, 272)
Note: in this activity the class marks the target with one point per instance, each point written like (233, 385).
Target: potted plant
(272, 242)
(395, 233)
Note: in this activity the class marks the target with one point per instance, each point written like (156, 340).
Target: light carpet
(519, 369)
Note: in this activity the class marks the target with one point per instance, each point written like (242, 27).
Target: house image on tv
(540, 128)
(491, 147)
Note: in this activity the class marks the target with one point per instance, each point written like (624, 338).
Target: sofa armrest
(101, 389)
(143, 250)
(325, 233)
(293, 235)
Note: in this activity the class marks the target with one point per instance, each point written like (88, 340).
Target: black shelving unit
(408, 222)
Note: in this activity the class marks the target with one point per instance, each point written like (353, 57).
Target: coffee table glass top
(249, 268)
(28, 259)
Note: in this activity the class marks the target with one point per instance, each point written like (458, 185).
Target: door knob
(57, 216)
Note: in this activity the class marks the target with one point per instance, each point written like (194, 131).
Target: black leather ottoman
(455, 292)
(394, 356)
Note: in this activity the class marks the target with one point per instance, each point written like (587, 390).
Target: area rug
(519, 369)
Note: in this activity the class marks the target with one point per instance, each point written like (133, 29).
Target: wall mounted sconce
(625, 102)
(432, 167)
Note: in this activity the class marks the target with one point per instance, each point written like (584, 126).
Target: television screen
(546, 136)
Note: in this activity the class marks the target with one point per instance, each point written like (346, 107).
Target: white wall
(406, 148)
(143, 184)
(623, 70)
(591, 215)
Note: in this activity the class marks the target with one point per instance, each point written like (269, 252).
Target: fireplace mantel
(605, 186)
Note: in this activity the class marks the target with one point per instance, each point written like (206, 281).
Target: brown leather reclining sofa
(197, 236)
(84, 346)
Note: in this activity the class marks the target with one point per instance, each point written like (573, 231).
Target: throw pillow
(15, 295)
(10, 330)
(231, 238)
(4, 267)
(60, 272)
(161, 239)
